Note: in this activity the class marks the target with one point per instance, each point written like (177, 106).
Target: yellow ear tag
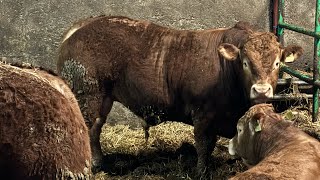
(289, 58)
(258, 127)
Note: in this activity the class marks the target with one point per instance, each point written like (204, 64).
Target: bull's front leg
(205, 139)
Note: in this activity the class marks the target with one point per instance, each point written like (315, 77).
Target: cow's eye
(239, 130)
(277, 64)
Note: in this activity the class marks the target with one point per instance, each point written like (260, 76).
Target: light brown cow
(42, 132)
(276, 148)
(207, 78)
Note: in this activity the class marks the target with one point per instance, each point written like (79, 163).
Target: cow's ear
(254, 124)
(228, 51)
(291, 53)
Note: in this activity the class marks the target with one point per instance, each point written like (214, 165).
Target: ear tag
(289, 58)
(258, 127)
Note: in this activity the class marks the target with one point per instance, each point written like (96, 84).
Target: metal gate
(278, 28)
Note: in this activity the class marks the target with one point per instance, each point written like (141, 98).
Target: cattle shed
(31, 31)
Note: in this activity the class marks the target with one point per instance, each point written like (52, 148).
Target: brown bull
(276, 148)
(207, 78)
(42, 132)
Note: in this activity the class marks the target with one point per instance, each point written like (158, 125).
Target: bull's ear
(228, 51)
(254, 124)
(291, 53)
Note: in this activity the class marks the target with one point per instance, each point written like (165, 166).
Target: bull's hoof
(97, 166)
(202, 174)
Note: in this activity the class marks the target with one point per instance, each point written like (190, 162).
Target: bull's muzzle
(261, 92)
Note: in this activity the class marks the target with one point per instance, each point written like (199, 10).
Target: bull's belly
(153, 108)
(155, 115)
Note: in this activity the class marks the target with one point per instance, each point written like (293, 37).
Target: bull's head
(260, 58)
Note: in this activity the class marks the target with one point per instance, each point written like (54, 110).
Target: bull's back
(102, 45)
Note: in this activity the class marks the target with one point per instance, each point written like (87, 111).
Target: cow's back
(42, 133)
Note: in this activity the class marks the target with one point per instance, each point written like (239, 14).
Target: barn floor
(169, 152)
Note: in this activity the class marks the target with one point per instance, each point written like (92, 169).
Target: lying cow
(42, 132)
(276, 148)
(207, 78)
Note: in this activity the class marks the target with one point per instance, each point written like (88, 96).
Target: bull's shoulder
(243, 25)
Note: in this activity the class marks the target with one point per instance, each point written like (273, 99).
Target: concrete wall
(300, 13)
(31, 30)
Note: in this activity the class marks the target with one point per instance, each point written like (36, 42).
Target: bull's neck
(267, 142)
(231, 70)
(232, 81)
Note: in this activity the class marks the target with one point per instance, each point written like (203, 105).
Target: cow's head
(260, 56)
(249, 126)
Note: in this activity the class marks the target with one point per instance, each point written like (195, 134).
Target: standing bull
(276, 148)
(207, 78)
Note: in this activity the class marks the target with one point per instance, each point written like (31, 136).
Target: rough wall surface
(300, 13)
(31, 30)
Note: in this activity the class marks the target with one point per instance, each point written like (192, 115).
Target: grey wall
(31, 30)
(300, 13)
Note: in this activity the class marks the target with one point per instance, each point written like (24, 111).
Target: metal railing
(278, 28)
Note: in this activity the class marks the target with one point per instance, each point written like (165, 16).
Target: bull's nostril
(261, 91)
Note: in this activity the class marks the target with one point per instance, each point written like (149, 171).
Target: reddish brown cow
(42, 132)
(207, 78)
(277, 148)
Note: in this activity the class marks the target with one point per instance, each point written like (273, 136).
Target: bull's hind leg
(95, 131)
(205, 139)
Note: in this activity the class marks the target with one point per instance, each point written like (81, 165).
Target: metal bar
(316, 65)
(299, 29)
(291, 81)
(278, 97)
(280, 20)
(275, 16)
(297, 74)
(280, 30)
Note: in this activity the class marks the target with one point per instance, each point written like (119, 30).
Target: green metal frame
(316, 63)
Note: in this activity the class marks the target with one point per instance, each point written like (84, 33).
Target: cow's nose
(261, 91)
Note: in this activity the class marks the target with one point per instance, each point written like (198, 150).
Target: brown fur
(163, 73)
(280, 150)
(43, 134)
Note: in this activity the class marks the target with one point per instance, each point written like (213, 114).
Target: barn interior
(31, 32)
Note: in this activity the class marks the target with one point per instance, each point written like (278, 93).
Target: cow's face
(249, 125)
(260, 58)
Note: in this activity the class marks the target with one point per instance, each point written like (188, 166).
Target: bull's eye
(276, 65)
(245, 64)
